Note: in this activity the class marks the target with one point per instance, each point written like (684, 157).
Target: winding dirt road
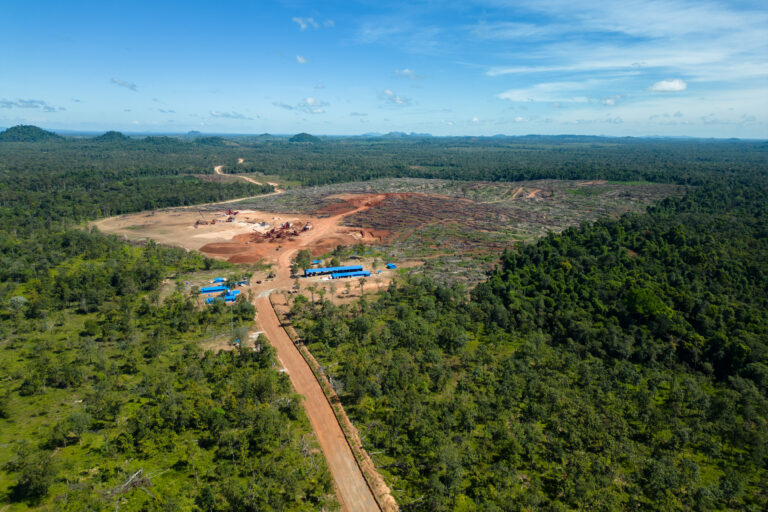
(217, 169)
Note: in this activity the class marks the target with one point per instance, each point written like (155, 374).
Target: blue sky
(631, 67)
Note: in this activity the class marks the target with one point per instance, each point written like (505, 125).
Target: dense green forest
(107, 401)
(620, 365)
(337, 159)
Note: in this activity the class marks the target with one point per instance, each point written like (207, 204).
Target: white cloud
(31, 104)
(552, 92)
(312, 106)
(319, 86)
(669, 85)
(475, 120)
(305, 23)
(123, 83)
(308, 105)
(395, 99)
(230, 115)
(610, 100)
(407, 73)
(301, 60)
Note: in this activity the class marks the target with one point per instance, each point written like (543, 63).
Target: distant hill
(303, 137)
(111, 136)
(403, 135)
(27, 133)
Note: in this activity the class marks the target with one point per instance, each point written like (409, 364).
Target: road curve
(352, 490)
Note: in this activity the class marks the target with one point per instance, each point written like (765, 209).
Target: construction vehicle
(201, 221)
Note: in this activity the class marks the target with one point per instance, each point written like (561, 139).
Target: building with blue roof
(309, 272)
(214, 289)
(342, 275)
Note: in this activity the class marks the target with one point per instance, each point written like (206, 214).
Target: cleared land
(413, 218)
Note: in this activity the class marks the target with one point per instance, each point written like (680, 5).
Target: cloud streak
(305, 23)
(230, 115)
(308, 105)
(30, 104)
(123, 83)
(312, 106)
(669, 85)
(407, 73)
(391, 98)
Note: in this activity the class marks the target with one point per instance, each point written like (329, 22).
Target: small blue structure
(359, 273)
(315, 262)
(211, 300)
(214, 289)
(242, 283)
(391, 266)
(308, 272)
(219, 279)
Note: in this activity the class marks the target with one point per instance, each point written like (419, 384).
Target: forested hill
(27, 133)
(620, 365)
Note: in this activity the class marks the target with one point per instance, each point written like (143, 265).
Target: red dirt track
(352, 490)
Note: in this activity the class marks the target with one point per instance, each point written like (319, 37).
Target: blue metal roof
(331, 270)
(391, 266)
(360, 273)
(213, 289)
(219, 279)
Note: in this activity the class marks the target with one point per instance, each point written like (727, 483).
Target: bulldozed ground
(456, 228)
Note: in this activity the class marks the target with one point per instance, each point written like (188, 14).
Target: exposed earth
(241, 241)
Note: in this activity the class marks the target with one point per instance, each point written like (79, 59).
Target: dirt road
(217, 169)
(353, 491)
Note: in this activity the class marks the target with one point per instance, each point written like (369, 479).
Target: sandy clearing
(532, 194)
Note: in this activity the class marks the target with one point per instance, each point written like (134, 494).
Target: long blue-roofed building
(309, 272)
(342, 275)
(214, 289)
